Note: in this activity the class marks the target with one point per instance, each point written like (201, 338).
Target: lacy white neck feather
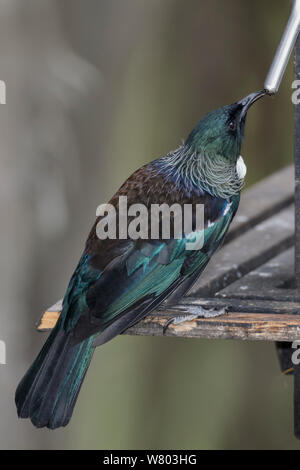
(213, 174)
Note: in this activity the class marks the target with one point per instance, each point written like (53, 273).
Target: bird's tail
(48, 391)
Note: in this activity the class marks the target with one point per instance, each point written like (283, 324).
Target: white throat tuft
(241, 168)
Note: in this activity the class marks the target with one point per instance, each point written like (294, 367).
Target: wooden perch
(252, 275)
(250, 325)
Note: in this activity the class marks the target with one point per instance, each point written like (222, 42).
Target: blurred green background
(95, 89)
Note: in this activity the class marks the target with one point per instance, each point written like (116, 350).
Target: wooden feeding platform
(252, 275)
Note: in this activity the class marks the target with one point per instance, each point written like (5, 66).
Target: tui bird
(117, 282)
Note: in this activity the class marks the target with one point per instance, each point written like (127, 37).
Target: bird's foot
(200, 312)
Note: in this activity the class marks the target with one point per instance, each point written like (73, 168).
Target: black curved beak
(249, 100)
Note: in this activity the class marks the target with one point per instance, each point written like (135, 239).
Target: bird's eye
(232, 126)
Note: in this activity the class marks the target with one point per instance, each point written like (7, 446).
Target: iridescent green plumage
(118, 282)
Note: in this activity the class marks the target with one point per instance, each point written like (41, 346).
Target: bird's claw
(178, 321)
(201, 313)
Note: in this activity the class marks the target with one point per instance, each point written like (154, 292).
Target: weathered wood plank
(273, 193)
(247, 252)
(283, 324)
(273, 280)
(189, 305)
(48, 321)
(242, 326)
(49, 318)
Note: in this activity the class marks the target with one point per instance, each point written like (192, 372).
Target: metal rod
(284, 50)
(297, 171)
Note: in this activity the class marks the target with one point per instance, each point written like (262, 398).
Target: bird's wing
(117, 282)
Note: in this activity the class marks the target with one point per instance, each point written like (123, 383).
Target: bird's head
(221, 131)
